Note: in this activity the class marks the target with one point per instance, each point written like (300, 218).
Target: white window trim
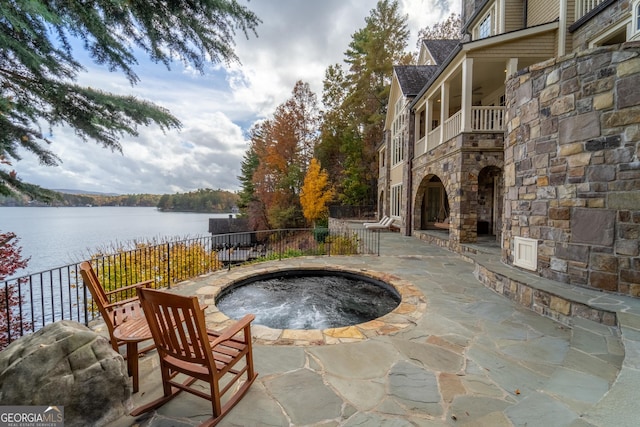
(398, 131)
(635, 21)
(395, 208)
(598, 40)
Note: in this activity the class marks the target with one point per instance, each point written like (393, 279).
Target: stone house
(525, 134)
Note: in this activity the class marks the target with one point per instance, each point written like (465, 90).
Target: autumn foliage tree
(274, 167)
(316, 193)
(449, 29)
(11, 324)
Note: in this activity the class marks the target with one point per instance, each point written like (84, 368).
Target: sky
(297, 40)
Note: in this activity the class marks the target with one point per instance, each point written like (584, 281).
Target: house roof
(412, 78)
(482, 43)
(440, 49)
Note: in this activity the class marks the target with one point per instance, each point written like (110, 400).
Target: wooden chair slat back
(97, 292)
(177, 325)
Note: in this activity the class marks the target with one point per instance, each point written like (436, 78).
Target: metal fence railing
(30, 302)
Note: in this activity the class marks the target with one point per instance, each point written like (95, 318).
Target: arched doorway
(490, 195)
(434, 209)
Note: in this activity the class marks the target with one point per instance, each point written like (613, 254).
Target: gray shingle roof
(413, 77)
(440, 49)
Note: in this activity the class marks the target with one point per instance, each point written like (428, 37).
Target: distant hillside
(83, 192)
(203, 200)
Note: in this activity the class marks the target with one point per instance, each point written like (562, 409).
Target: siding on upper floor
(542, 11)
(539, 46)
(513, 16)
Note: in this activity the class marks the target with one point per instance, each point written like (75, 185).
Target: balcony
(483, 119)
(585, 6)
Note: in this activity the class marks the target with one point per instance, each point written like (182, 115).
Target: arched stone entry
(490, 201)
(432, 205)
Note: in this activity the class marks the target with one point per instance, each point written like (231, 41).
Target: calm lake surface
(54, 237)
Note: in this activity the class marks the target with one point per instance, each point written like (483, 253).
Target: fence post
(168, 265)
(228, 251)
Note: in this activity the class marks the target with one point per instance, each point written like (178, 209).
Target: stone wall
(572, 173)
(458, 163)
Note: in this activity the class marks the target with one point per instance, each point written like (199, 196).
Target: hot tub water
(309, 300)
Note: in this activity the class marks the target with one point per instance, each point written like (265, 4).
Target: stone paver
(455, 353)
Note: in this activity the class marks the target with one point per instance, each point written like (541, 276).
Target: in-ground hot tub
(309, 298)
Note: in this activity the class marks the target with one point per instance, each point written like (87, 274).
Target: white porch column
(512, 67)
(444, 108)
(562, 31)
(428, 120)
(467, 94)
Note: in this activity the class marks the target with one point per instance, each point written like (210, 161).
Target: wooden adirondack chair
(186, 347)
(116, 314)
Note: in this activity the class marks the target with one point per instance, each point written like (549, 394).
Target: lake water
(54, 237)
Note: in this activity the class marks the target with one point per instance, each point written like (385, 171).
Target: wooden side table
(132, 332)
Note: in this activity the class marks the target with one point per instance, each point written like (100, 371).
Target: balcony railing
(483, 119)
(433, 138)
(421, 146)
(30, 302)
(585, 6)
(487, 119)
(452, 126)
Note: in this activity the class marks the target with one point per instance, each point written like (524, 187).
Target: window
(423, 125)
(396, 200)
(484, 30)
(398, 132)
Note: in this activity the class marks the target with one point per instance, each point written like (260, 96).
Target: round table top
(136, 329)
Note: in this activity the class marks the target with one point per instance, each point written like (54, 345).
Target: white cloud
(297, 40)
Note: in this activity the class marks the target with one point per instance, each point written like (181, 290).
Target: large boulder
(66, 364)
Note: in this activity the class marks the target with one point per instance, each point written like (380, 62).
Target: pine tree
(356, 119)
(38, 70)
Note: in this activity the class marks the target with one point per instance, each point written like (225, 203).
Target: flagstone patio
(455, 352)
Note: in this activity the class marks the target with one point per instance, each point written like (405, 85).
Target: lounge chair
(384, 222)
(381, 226)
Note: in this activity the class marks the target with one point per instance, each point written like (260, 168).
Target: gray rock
(66, 364)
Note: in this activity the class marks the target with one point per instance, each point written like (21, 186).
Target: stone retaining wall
(572, 172)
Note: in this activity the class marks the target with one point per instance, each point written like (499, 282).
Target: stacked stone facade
(458, 163)
(572, 167)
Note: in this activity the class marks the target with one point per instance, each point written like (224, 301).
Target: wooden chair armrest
(123, 302)
(232, 330)
(145, 284)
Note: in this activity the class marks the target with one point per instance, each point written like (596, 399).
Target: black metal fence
(30, 302)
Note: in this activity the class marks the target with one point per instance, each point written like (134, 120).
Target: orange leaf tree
(315, 193)
(281, 148)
